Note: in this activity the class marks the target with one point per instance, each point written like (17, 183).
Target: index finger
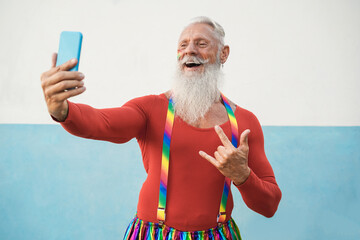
(63, 67)
(223, 138)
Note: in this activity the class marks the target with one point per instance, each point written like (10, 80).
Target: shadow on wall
(57, 186)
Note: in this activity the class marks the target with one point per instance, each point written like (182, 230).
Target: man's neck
(216, 115)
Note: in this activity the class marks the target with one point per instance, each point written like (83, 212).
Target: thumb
(244, 137)
(53, 59)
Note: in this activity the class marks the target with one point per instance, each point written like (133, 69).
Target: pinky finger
(70, 93)
(209, 158)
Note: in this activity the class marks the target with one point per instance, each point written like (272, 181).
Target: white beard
(194, 93)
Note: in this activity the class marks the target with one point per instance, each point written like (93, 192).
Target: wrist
(61, 115)
(243, 177)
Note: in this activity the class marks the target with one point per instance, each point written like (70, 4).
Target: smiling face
(197, 46)
(198, 73)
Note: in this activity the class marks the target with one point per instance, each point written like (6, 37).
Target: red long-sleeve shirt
(194, 185)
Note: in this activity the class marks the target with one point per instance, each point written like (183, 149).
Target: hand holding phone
(63, 80)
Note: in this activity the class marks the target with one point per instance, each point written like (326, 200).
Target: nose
(191, 49)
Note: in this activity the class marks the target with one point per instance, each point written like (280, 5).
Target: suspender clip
(161, 216)
(221, 218)
(161, 223)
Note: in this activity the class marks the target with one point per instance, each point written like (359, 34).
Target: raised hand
(58, 85)
(232, 162)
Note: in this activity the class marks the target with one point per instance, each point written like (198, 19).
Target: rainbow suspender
(234, 140)
(165, 162)
(166, 156)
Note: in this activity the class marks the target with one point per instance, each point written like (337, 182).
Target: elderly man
(194, 142)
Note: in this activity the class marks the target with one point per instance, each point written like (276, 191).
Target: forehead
(198, 31)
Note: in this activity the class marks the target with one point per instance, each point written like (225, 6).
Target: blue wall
(57, 186)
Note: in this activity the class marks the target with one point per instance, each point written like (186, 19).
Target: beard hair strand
(194, 93)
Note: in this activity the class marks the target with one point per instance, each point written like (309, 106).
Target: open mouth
(192, 64)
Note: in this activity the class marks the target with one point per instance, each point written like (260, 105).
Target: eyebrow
(196, 40)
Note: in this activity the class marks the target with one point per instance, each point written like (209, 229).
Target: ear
(224, 54)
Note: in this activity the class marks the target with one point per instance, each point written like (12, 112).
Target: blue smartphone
(69, 47)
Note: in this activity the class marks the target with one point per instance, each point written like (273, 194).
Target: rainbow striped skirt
(139, 229)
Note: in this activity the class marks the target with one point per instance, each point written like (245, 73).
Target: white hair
(218, 29)
(195, 92)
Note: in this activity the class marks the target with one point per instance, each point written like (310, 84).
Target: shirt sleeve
(260, 191)
(117, 125)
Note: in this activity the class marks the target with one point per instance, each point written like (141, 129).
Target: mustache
(194, 59)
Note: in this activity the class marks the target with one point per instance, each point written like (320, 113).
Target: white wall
(291, 62)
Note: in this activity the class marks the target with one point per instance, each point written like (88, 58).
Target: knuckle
(221, 165)
(52, 98)
(61, 75)
(62, 85)
(57, 69)
(46, 93)
(220, 159)
(245, 148)
(232, 151)
(43, 84)
(67, 95)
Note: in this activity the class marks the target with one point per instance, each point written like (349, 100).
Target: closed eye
(202, 43)
(183, 45)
